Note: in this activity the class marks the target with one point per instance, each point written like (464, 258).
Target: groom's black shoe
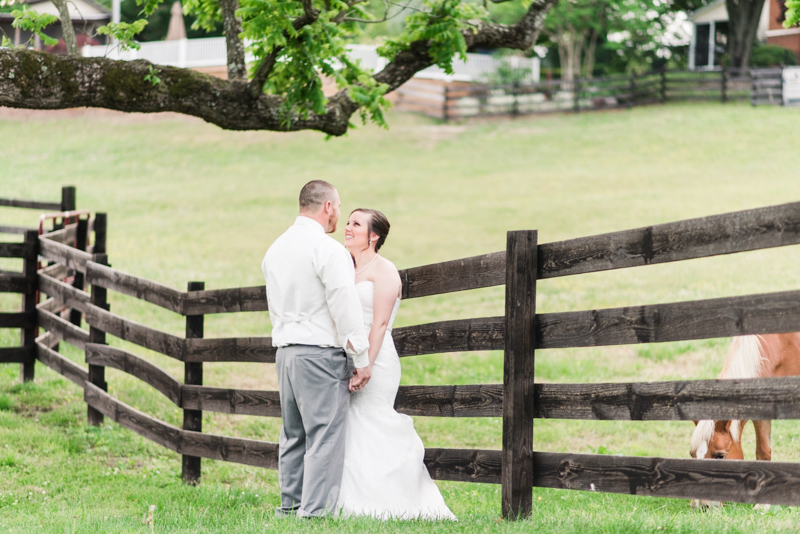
(286, 512)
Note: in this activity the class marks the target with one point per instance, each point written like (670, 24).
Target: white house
(86, 16)
(710, 32)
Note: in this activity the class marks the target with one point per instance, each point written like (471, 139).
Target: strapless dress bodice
(366, 294)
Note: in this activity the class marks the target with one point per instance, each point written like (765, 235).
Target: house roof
(715, 11)
(79, 10)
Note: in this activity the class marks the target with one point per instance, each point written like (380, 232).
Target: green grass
(187, 201)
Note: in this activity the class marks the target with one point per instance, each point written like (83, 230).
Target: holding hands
(360, 379)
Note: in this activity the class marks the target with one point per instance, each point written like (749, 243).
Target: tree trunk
(571, 45)
(66, 27)
(562, 60)
(232, 25)
(743, 17)
(588, 65)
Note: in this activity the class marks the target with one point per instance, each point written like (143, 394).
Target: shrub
(771, 56)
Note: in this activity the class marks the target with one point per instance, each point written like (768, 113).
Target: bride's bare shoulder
(386, 266)
(386, 270)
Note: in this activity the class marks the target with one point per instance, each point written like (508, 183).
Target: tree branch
(264, 69)
(36, 80)
(66, 27)
(232, 26)
(519, 36)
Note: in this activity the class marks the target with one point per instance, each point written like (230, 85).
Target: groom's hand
(360, 379)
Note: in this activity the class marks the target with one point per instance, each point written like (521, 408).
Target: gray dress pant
(314, 404)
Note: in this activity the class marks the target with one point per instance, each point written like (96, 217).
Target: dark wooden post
(28, 337)
(68, 198)
(576, 87)
(445, 104)
(97, 373)
(724, 85)
(632, 96)
(663, 85)
(78, 281)
(515, 105)
(193, 374)
(68, 203)
(517, 470)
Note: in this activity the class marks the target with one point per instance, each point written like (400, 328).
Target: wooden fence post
(193, 375)
(515, 105)
(632, 96)
(445, 104)
(576, 88)
(68, 198)
(518, 374)
(28, 336)
(663, 85)
(78, 281)
(724, 85)
(97, 373)
(68, 203)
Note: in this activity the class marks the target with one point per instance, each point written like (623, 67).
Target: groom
(318, 327)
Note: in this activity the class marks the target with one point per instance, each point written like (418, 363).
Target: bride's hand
(361, 378)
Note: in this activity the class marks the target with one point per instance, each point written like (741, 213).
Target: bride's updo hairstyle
(378, 224)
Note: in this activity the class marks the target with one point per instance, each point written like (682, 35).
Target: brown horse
(749, 357)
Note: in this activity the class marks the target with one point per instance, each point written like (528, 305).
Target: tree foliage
(630, 28)
(792, 13)
(294, 45)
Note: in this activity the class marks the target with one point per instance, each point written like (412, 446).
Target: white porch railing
(212, 52)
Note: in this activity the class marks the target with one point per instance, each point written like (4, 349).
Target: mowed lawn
(187, 201)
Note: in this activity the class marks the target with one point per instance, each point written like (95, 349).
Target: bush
(507, 75)
(771, 56)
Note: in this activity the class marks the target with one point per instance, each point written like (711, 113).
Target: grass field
(187, 201)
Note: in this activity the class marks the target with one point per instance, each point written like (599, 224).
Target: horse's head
(717, 440)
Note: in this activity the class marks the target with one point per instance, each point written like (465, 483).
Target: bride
(384, 475)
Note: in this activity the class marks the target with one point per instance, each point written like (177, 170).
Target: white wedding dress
(384, 475)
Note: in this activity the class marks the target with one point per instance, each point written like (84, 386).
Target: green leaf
(792, 13)
(124, 33)
(152, 76)
(208, 13)
(34, 22)
(441, 25)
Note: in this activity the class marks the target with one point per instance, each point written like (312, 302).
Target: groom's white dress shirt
(311, 292)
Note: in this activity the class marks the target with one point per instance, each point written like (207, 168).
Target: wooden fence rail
(518, 401)
(756, 85)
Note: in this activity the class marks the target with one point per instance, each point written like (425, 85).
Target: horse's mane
(744, 358)
(703, 433)
(744, 361)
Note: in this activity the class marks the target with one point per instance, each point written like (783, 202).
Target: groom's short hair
(316, 193)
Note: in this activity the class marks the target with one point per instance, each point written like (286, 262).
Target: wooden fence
(759, 86)
(519, 333)
(24, 281)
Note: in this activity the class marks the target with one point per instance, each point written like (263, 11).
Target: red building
(776, 34)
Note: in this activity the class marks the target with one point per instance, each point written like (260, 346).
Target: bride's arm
(386, 282)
